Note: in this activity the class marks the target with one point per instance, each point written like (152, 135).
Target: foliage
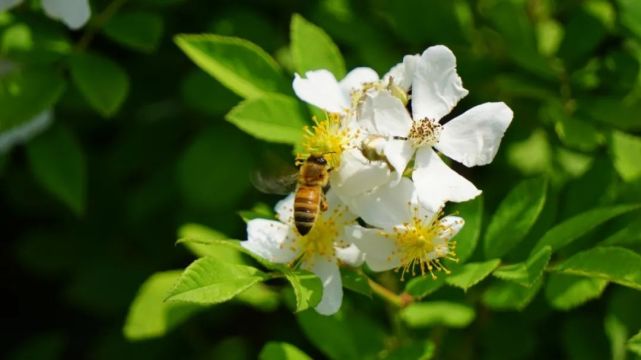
(153, 117)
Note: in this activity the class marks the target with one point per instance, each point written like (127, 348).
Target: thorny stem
(400, 301)
(98, 22)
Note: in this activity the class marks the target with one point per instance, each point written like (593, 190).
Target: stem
(400, 301)
(98, 22)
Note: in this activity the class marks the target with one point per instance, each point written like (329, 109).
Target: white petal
(338, 210)
(356, 174)
(436, 87)
(330, 276)
(285, 209)
(8, 4)
(379, 250)
(74, 13)
(387, 205)
(398, 153)
(271, 240)
(320, 88)
(390, 116)
(351, 255)
(473, 138)
(436, 183)
(402, 74)
(355, 79)
(452, 224)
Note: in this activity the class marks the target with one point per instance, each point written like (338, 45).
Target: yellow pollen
(321, 240)
(326, 137)
(419, 245)
(424, 132)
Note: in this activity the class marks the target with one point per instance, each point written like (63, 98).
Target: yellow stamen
(326, 137)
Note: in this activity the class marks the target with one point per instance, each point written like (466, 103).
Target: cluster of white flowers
(73, 13)
(381, 138)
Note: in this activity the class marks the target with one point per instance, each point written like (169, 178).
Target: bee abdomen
(306, 206)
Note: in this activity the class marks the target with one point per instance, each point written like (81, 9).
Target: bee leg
(323, 204)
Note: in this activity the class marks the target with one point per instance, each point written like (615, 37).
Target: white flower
(321, 89)
(472, 138)
(408, 235)
(73, 13)
(319, 251)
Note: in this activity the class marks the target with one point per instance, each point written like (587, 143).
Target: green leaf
(630, 15)
(628, 235)
(59, 165)
(565, 292)
(617, 333)
(313, 49)
(209, 281)
(634, 343)
(614, 264)
(583, 33)
(242, 66)
(149, 315)
(27, 93)
(514, 217)
(273, 118)
(578, 134)
(471, 274)
(258, 211)
(434, 313)
(507, 295)
(205, 243)
(101, 81)
(356, 282)
(307, 287)
(575, 227)
(330, 334)
(422, 286)
(625, 150)
(468, 237)
(281, 351)
(612, 111)
(527, 272)
(261, 297)
(138, 30)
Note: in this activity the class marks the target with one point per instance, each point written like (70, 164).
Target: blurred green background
(90, 207)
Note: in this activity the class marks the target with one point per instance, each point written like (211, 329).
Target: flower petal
(320, 88)
(351, 255)
(74, 13)
(390, 116)
(452, 224)
(379, 250)
(337, 209)
(356, 175)
(355, 79)
(327, 270)
(473, 138)
(387, 205)
(436, 183)
(398, 153)
(271, 240)
(402, 74)
(436, 87)
(285, 209)
(8, 4)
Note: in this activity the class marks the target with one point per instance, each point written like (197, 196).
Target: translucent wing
(274, 175)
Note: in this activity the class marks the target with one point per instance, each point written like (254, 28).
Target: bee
(309, 183)
(309, 201)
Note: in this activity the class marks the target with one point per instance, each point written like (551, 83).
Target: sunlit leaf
(138, 30)
(569, 230)
(324, 54)
(634, 343)
(515, 216)
(528, 272)
(59, 165)
(618, 265)
(307, 288)
(149, 315)
(631, 15)
(274, 118)
(242, 66)
(209, 281)
(103, 82)
(433, 313)
(565, 292)
(281, 351)
(204, 243)
(470, 274)
(625, 150)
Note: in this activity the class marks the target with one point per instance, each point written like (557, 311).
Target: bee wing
(270, 184)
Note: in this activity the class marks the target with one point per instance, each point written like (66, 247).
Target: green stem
(400, 301)
(98, 22)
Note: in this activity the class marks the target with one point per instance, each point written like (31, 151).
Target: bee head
(317, 159)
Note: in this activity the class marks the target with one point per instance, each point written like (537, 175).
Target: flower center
(424, 132)
(328, 138)
(421, 244)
